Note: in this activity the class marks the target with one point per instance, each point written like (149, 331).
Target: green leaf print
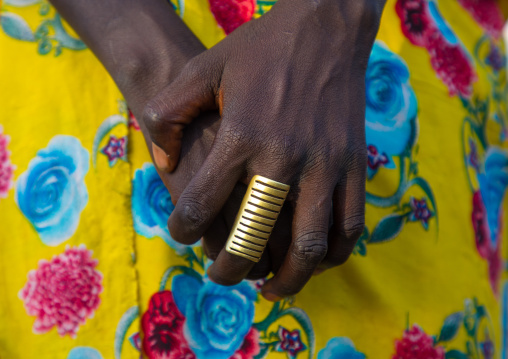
(451, 326)
(388, 228)
(16, 27)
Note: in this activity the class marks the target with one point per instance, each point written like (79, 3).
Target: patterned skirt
(88, 268)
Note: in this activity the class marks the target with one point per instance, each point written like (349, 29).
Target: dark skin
(290, 91)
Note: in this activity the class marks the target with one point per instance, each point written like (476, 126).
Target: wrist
(142, 58)
(357, 19)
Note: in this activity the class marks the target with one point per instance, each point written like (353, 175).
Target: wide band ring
(254, 222)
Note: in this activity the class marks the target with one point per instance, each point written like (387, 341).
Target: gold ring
(254, 222)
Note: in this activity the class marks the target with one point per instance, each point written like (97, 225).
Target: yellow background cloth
(87, 268)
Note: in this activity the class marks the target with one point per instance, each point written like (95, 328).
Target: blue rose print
(151, 206)
(84, 353)
(340, 348)
(217, 317)
(493, 181)
(52, 193)
(390, 108)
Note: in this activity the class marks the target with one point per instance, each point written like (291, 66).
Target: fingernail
(271, 297)
(162, 160)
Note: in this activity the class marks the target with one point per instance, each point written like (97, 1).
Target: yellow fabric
(421, 276)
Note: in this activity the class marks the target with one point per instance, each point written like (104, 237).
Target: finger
(280, 239)
(217, 234)
(348, 218)
(206, 194)
(166, 116)
(309, 245)
(261, 269)
(213, 243)
(230, 269)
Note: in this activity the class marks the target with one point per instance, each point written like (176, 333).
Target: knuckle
(310, 249)
(347, 236)
(321, 159)
(153, 115)
(193, 215)
(355, 158)
(234, 141)
(353, 227)
(192, 67)
(280, 156)
(284, 149)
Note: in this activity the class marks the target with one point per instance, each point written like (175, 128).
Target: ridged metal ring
(254, 222)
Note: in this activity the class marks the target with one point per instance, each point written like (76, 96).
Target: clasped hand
(290, 90)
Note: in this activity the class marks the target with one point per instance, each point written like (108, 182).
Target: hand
(143, 54)
(196, 143)
(290, 89)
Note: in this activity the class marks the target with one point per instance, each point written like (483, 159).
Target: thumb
(166, 115)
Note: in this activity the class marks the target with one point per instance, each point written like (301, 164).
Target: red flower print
(6, 168)
(63, 292)
(232, 13)
(416, 344)
(452, 66)
(483, 241)
(473, 156)
(416, 25)
(375, 159)
(133, 122)
(250, 346)
(487, 14)
(162, 325)
(135, 340)
(420, 211)
(495, 59)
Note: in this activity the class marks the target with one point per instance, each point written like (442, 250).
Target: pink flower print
(6, 168)
(424, 26)
(416, 344)
(452, 66)
(250, 347)
(232, 13)
(484, 244)
(487, 14)
(416, 22)
(63, 292)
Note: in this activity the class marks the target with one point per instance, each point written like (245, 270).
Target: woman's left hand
(290, 89)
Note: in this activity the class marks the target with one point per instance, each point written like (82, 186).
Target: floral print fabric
(88, 268)
(63, 292)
